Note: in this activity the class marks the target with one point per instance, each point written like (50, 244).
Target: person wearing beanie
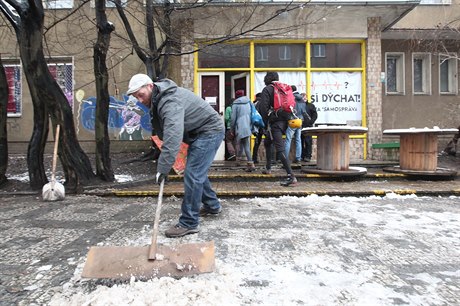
(241, 127)
(276, 127)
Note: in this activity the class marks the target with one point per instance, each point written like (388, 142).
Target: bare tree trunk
(103, 161)
(3, 132)
(48, 100)
(35, 71)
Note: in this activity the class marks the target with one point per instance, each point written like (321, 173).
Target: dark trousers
(255, 149)
(307, 143)
(230, 142)
(274, 135)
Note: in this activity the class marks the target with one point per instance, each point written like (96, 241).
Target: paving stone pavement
(340, 248)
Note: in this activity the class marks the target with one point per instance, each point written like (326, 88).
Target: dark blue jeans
(197, 188)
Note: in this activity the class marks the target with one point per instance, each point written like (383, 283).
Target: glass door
(211, 88)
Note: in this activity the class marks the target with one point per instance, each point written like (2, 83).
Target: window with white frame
(319, 50)
(394, 65)
(63, 74)
(421, 73)
(284, 52)
(262, 53)
(57, 4)
(13, 77)
(448, 81)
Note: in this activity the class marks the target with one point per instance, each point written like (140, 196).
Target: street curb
(270, 193)
(119, 189)
(256, 193)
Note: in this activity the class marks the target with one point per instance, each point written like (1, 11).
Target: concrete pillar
(374, 85)
(186, 60)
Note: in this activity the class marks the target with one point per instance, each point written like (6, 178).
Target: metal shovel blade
(174, 261)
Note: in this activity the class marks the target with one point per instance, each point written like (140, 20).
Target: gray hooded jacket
(241, 118)
(177, 115)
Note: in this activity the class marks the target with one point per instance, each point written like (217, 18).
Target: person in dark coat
(230, 140)
(276, 126)
(295, 133)
(309, 118)
(258, 135)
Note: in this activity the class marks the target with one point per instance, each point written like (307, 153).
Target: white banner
(292, 78)
(337, 97)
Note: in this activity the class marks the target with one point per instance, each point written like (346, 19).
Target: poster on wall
(337, 97)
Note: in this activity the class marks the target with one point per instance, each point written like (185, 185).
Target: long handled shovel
(155, 260)
(54, 191)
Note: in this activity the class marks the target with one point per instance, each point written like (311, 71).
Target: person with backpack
(276, 120)
(309, 117)
(300, 108)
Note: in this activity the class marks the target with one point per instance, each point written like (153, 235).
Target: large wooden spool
(418, 152)
(333, 152)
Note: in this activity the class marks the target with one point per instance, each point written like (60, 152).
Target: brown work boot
(205, 211)
(179, 231)
(250, 167)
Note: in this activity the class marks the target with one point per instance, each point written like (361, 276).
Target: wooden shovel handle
(56, 143)
(153, 244)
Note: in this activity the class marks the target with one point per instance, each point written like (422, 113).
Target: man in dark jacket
(177, 115)
(309, 118)
(295, 133)
(258, 135)
(276, 126)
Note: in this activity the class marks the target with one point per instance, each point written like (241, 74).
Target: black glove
(160, 177)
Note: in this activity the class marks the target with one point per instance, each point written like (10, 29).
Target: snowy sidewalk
(315, 250)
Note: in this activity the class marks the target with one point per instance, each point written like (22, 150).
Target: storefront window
(280, 55)
(224, 56)
(335, 55)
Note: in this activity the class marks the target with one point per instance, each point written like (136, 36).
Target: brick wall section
(186, 60)
(374, 86)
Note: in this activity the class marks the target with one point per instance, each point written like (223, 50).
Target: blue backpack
(256, 118)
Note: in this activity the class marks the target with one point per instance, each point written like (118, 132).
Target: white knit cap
(137, 81)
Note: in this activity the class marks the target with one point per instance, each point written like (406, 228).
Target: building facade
(346, 56)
